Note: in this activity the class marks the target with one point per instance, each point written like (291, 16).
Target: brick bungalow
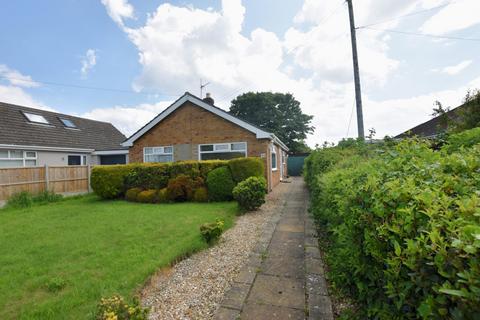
(195, 129)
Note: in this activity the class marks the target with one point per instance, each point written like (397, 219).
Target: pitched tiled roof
(15, 129)
(433, 126)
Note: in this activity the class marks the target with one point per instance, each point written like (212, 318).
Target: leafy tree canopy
(278, 113)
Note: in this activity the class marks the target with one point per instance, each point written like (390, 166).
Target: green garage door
(295, 164)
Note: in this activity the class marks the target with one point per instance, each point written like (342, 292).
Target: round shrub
(243, 168)
(200, 195)
(250, 193)
(220, 184)
(131, 194)
(147, 196)
(211, 232)
(162, 196)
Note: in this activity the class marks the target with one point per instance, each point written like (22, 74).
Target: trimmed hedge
(111, 182)
(403, 224)
(243, 168)
(147, 196)
(220, 184)
(131, 194)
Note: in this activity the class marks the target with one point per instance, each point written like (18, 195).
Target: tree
(278, 113)
(469, 116)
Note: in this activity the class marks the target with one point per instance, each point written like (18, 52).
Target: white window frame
(83, 159)
(24, 157)
(272, 163)
(228, 150)
(161, 153)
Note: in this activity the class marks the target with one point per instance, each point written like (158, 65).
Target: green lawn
(97, 247)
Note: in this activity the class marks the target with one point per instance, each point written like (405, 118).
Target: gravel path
(193, 288)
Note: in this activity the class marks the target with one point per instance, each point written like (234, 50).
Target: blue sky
(150, 57)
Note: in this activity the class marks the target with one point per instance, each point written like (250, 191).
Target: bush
(147, 196)
(132, 194)
(250, 193)
(220, 184)
(211, 232)
(243, 168)
(109, 181)
(403, 229)
(115, 308)
(206, 166)
(20, 200)
(181, 188)
(200, 195)
(464, 139)
(162, 196)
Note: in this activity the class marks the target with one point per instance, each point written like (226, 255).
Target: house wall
(52, 158)
(190, 126)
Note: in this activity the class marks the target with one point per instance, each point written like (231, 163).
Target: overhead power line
(406, 15)
(421, 34)
(86, 87)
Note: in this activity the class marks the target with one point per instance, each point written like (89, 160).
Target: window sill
(274, 169)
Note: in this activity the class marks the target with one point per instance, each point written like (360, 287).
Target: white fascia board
(260, 134)
(279, 142)
(109, 152)
(43, 148)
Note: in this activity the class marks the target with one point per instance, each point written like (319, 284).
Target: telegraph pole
(356, 72)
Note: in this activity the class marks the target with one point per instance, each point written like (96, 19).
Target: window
(158, 154)
(35, 118)
(274, 158)
(77, 160)
(223, 151)
(17, 158)
(68, 123)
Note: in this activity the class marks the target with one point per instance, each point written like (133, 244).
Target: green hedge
(403, 224)
(464, 139)
(243, 168)
(111, 182)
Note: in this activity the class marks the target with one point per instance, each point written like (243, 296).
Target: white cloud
(14, 92)
(88, 61)
(119, 10)
(127, 119)
(455, 69)
(179, 45)
(15, 78)
(456, 16)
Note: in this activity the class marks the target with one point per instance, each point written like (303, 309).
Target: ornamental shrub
(403, 227)
(200, 195)
(250, 193)
(147, 196)
(162, 196)
(115, 308)
(243, 168)
(181, 188)
(211, 232)
(131, 194)
(208, 165)
(109, 181)
(220, 184)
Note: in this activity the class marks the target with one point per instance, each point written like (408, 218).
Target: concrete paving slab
(264, 312)
(278, 291)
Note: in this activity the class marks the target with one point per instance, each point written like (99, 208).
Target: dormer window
(35, 118)
(68, 123)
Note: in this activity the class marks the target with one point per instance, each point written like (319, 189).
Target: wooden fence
(59, 179)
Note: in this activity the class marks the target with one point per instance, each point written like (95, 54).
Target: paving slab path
(284, 276)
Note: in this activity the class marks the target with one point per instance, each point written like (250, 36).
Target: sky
(124, 61)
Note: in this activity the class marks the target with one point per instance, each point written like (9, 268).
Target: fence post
(46, 178)
(88, 178)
